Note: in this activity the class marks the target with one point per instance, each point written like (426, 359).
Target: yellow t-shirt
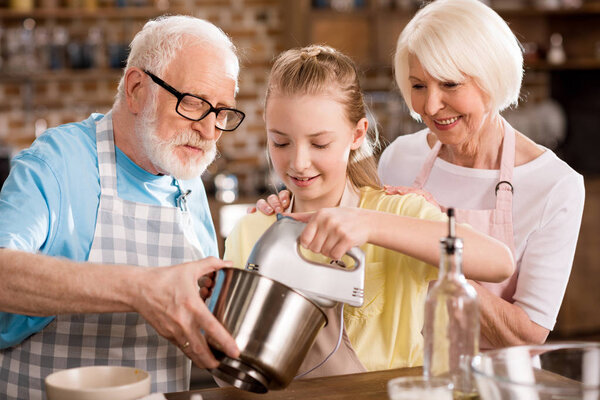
(386, 331)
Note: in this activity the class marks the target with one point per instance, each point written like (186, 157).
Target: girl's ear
(360, 133)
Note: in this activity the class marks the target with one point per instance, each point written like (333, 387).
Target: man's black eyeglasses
(196, 108)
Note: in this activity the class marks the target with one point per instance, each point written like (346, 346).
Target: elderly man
(102, 200)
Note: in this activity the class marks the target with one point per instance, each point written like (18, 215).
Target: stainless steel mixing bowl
(273, 325)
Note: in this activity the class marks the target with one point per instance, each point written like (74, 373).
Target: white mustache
(193, 140)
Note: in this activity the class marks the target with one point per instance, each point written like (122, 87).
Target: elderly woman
(458, 65)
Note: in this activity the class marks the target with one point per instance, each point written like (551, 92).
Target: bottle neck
(450, 261)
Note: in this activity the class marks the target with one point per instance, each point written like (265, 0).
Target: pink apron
(344, 360)
(495, 222)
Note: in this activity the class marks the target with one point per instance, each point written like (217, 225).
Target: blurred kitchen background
(60, 60)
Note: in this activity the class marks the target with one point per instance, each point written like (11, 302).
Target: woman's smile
(446, 123)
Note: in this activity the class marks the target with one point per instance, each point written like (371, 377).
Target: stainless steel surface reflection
(273, 325)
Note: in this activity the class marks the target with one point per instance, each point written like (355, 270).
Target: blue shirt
(49, 203)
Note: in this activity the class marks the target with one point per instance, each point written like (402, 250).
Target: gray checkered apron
(126, 233)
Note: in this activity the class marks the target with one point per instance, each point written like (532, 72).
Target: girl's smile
(303, 181)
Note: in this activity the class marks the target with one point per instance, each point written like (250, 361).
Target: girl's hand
(333, 231)
(408, 189)
(274, 203)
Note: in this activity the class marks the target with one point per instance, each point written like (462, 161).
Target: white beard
(161, 153)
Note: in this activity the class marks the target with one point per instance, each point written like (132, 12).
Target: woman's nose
(434, 102)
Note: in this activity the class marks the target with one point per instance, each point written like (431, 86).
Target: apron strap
(504, 187)
(421, 179)
(106, 155)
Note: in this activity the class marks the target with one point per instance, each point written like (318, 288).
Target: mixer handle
(271, 258)
(358, 256)
(349, 287)
(298, 226)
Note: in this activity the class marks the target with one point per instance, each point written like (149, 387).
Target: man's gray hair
(154, 47)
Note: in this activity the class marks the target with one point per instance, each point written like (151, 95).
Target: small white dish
(98, 383)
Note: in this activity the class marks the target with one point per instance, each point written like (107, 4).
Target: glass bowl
(419, 388)
(565, 371)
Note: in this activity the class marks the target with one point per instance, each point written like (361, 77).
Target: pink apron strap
(421, 179)
(504, 188)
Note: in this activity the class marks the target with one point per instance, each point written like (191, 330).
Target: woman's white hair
(154, 47)
(455, 39)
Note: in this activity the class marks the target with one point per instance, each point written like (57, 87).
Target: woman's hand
(274, 203)
(333, 231)
(408, 189)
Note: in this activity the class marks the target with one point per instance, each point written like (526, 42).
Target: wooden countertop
(364, 386)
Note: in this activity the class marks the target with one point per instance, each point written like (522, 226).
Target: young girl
(321, 147)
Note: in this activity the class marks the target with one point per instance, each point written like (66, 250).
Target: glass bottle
(451, 327)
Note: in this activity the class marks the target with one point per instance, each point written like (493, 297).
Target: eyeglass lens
(196, 109)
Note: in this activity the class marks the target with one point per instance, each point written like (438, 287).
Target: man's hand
(171, 300)
(333, 231)
(408, 189)
(274, 203)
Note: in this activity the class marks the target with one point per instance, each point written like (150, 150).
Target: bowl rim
(53, 375)
(542, 348)
(277, 283)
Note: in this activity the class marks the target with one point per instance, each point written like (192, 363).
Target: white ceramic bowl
(98, 383)
(559, 371)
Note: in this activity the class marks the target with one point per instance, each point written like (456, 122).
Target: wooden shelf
(330, 13)
(576, 64)
(62, 75)
(580, 64)
(100, 13)
(586, 9)
(48, 104)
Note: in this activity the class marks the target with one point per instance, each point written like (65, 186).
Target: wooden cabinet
(579, 315)
(368, 33)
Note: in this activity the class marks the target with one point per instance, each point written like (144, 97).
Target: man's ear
(136, 90)
(360, 133)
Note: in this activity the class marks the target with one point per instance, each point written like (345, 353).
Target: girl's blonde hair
(316, 70)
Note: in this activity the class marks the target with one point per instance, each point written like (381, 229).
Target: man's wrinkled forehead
(221, 53)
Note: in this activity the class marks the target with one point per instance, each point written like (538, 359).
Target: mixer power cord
(337, 345)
